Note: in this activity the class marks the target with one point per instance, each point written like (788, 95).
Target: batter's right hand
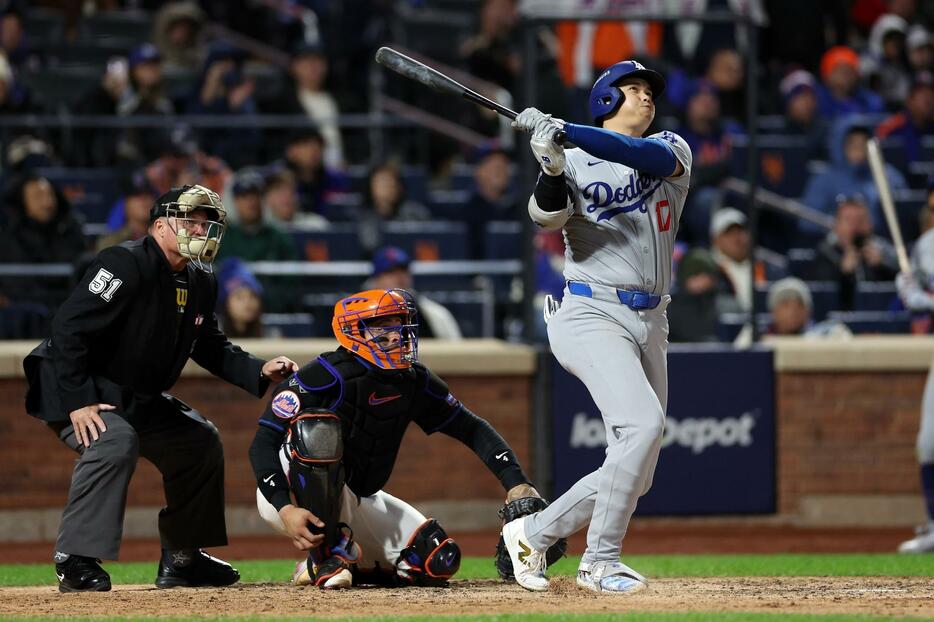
(87, 421)
(296, 522)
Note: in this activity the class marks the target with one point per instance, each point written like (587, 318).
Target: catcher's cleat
(610, 578)
(923, 542)
(334, 580)
(334, 571)
(528, 564)
(194, 568)
(81, 574)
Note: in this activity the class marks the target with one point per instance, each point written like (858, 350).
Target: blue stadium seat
(800, 260)
(862, 322)
(462, 181)
(86, 54)
(293, 325)
(57, 87)
(472, 310)
(503, 240)
(91, 191)
(428, 240)
(43, 25)
(729, 325)
(415, 179)
(335, 243)
(448, 204)
(907, 207)
(132, 25)
(783, 163)
(875, 296)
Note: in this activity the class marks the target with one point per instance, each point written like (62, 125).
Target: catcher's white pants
(382, 524)
(621, 357)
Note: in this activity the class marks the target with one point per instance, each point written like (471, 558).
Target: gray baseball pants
(186, 449)
(621, 357)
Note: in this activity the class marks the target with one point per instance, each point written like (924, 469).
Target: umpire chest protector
(375, 407)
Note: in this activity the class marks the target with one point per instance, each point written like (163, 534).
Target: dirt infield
(912, 597)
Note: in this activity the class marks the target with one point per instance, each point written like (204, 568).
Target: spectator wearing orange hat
(840, 93)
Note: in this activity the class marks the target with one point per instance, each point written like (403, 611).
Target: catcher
(329, 437)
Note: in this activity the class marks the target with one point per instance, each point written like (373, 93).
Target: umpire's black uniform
(122, 337)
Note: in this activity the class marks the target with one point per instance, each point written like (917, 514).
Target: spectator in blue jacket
(848, 174)
(840, 93)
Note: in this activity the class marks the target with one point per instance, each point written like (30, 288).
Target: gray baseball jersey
(620, 234)
(623, 228)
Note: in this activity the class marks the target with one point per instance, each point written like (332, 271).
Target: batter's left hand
(521, 491)
(528, 119)
(279, 368)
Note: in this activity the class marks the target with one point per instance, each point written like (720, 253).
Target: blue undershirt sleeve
(648, 155)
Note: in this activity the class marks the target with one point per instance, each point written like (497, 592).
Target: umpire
(118, 342)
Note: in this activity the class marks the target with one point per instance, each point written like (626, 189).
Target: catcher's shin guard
(431, 557)
(316, 475)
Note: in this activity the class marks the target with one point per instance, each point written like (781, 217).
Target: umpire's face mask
(197, 219)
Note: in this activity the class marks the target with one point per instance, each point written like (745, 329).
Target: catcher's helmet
(605, 97)
(354, 314)
(199, 241)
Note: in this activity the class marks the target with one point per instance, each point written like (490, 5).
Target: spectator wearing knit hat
(885, 64)
(840, 92)
(790, 305)
(798, 90)
(920, 45)
(240, 301)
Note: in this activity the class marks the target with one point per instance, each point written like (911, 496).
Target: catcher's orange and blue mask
(363, 323)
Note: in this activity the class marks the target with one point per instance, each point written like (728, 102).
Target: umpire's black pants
(186, 449)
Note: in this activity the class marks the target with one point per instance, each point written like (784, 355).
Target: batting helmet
(605, 98)
(352, 325)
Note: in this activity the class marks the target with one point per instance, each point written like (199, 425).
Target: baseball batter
(917, 292)
(619, 198)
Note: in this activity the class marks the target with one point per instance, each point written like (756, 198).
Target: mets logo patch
(285, 404)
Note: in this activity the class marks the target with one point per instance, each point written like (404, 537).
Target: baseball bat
(877, 166)
(434, 79)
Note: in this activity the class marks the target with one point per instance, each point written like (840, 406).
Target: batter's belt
(633, 299)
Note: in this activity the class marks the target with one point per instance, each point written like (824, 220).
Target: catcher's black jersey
(375, 407)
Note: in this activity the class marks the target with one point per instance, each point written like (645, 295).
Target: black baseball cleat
(81, 574)
(194, 568)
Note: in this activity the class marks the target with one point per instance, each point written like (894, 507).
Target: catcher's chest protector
(375, 409)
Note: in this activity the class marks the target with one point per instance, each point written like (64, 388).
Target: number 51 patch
(104, 284)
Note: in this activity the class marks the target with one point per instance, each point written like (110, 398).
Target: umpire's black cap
(158, 208)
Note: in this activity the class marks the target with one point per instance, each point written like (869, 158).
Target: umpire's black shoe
(194, 568)
(81, 574)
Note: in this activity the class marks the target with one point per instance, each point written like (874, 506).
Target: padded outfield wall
(838, 452)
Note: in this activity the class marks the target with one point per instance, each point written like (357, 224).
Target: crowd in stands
(247, 98)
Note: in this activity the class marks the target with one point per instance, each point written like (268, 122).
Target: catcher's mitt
(510, 512)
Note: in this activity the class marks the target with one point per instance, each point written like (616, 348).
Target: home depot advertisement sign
(718, 451)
